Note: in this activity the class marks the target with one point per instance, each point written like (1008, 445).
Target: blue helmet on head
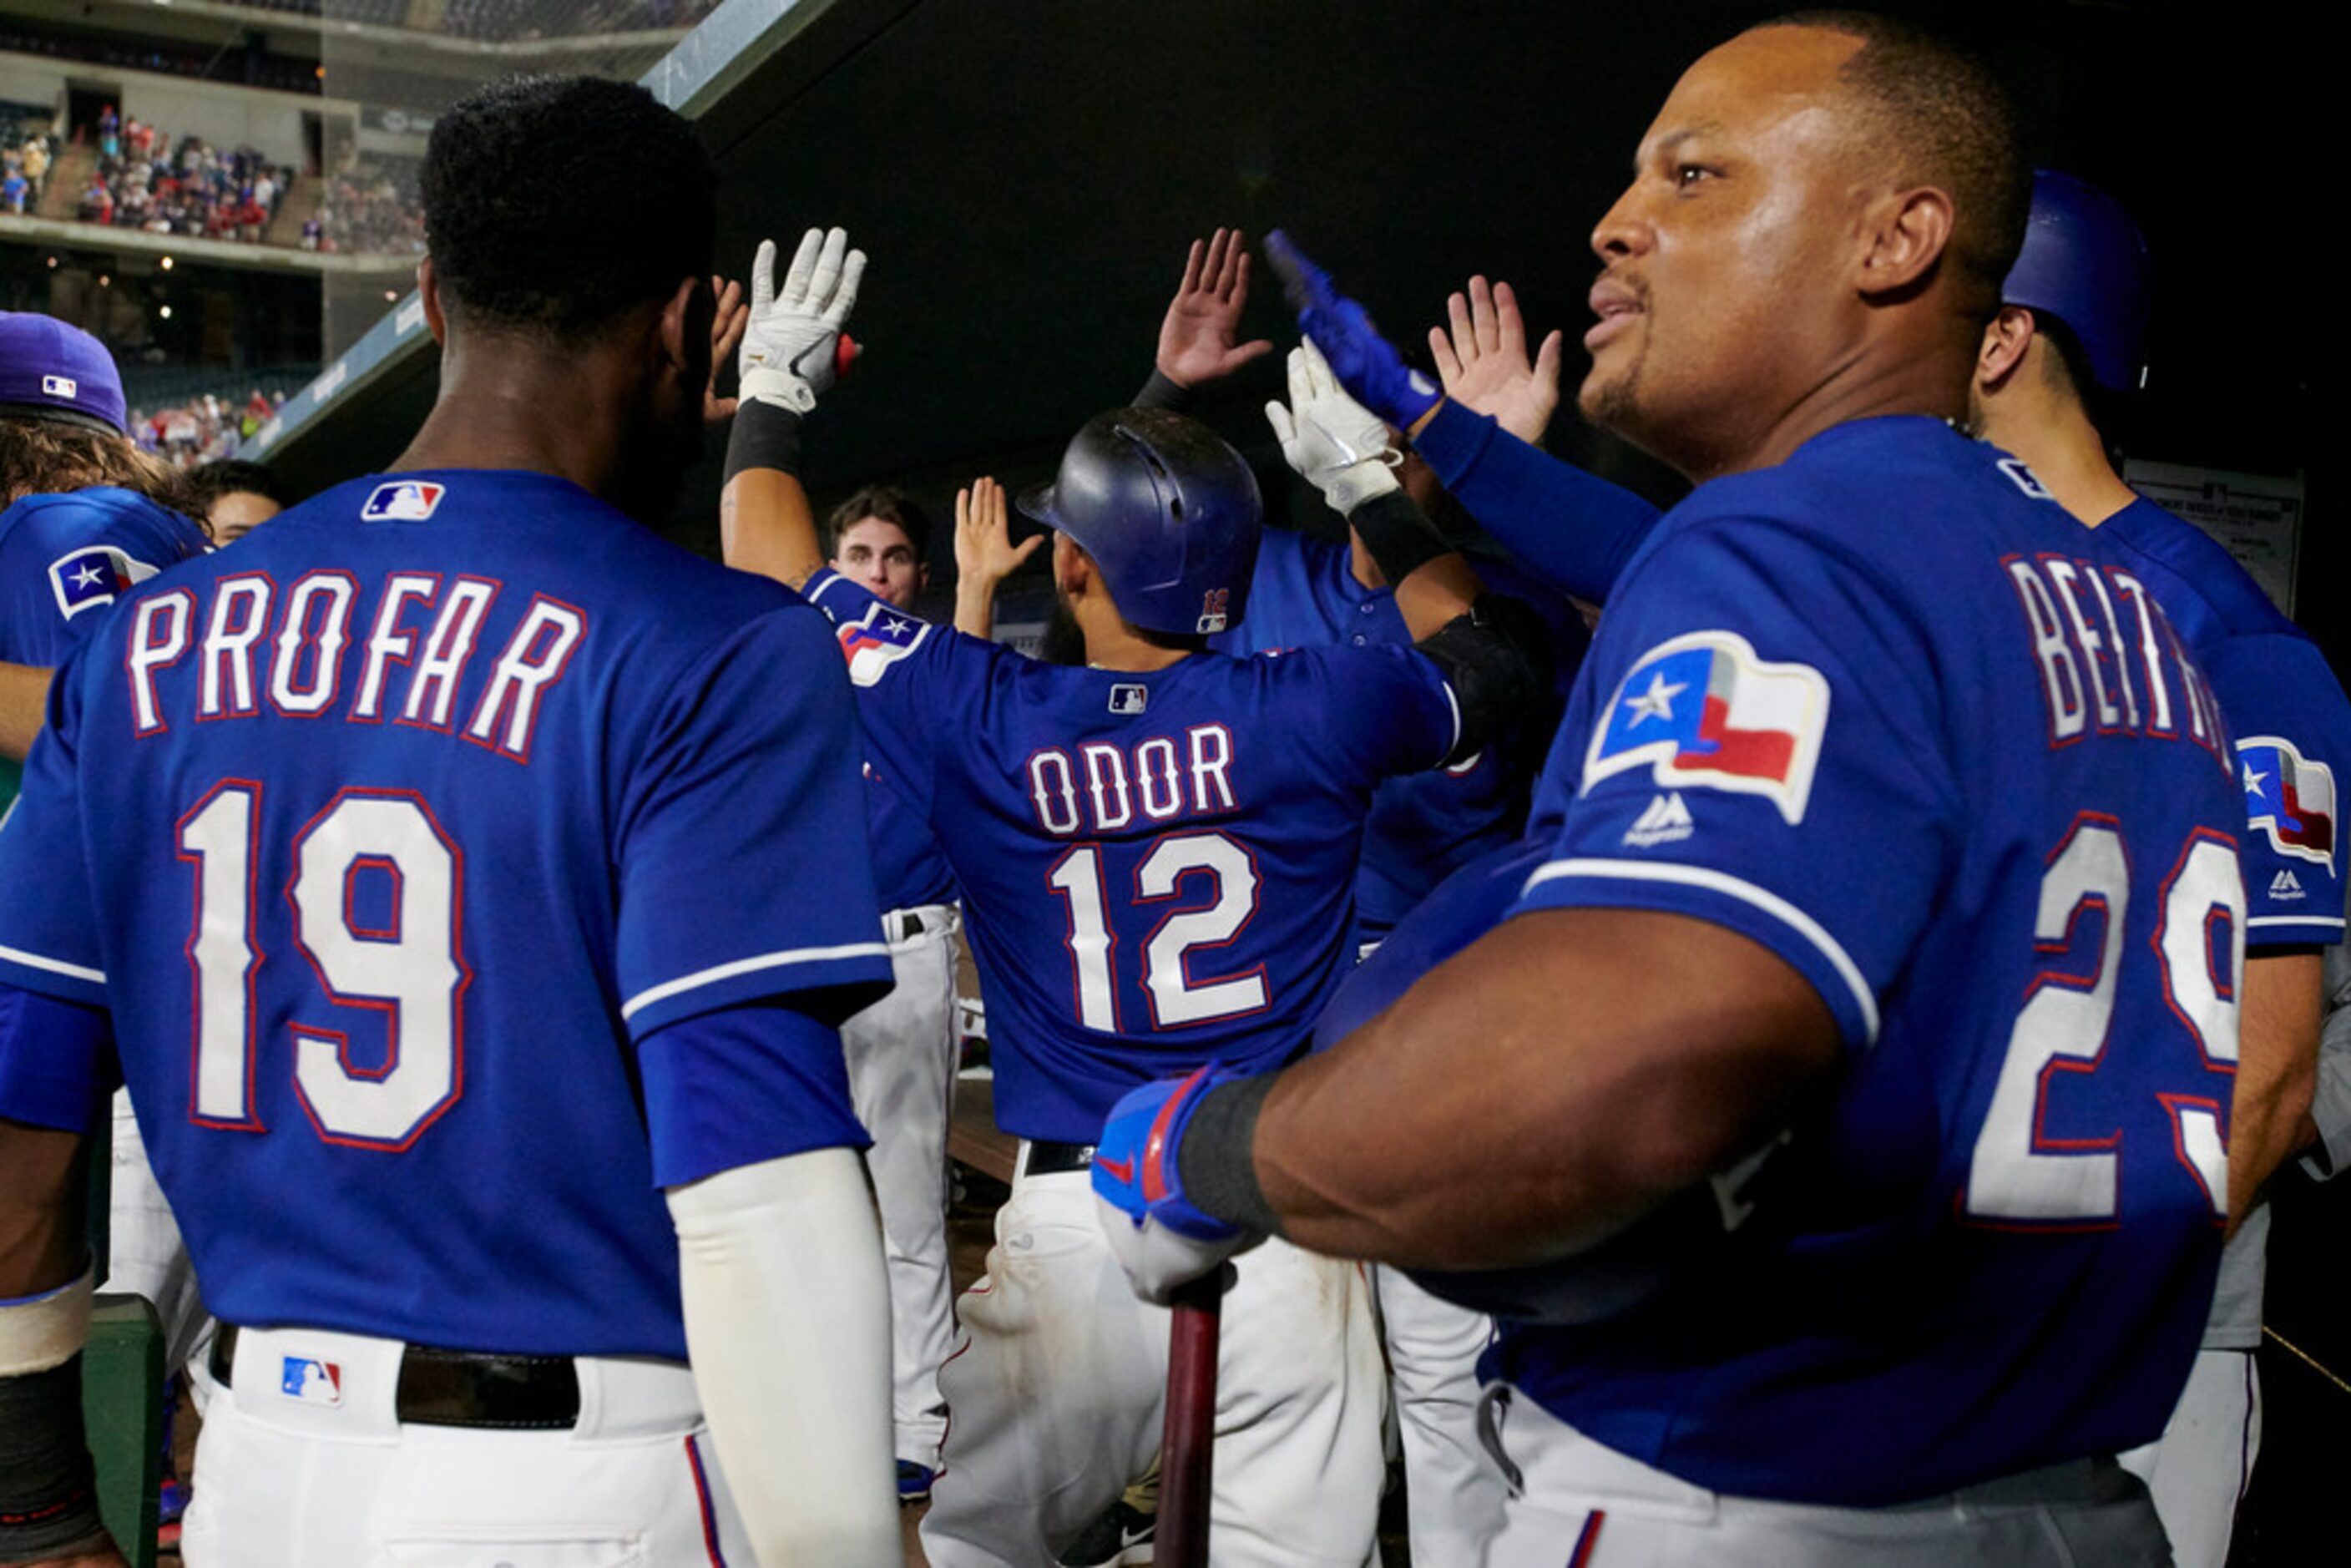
(1168, 509)
(2085, 262)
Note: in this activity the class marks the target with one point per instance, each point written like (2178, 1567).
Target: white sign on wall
(2257, 518)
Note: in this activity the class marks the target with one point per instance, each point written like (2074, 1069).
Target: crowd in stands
(372, 208)
(203, 429)
(143, 181)
(24, 160)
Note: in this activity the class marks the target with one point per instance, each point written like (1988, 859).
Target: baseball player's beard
(1063, 643)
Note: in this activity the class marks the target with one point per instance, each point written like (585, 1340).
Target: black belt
(463, 1387)
(1049, 1158)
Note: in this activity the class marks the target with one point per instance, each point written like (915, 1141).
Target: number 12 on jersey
(1222, 891)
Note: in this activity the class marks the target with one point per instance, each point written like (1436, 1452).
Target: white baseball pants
(145, 1256)
(902, 1058)
(329, 1474)
(2199, 1468)
(1578, 1504)
(1453, 1496)
(1058, 1388)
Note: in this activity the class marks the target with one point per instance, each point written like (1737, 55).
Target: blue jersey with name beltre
(420, 845)
(1423, 826)
(1156, 868)
(2285, 708)
(1846, 707)
(64, 558)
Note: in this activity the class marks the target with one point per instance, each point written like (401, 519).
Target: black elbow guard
(1499, 658)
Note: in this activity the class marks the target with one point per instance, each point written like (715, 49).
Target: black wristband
(1218, 1161)
(1161, 393)
(766, 435)
(48, 1489)
(1398, 534)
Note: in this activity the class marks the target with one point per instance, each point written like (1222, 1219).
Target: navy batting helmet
(2085, 263)
(1168, 511)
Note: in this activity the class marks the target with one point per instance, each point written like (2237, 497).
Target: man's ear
(1903, 235)
(428, 287)
(2007, 338)
(685, 323)
(921, 576)
(1073, 570)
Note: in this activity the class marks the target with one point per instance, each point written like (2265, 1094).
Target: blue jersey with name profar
(2285, 709)
(1157, 868)
(1888, 711)
(1423, 826)
(417, 845)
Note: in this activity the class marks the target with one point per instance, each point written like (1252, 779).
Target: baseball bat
(1188, 1440)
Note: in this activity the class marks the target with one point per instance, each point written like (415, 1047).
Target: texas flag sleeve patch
(1703, 709)
(879, 639)
(2288, 798)
(92, 576)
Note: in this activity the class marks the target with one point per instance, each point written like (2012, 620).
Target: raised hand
(727, 327)
(985, 554)
(1196, 340)
(1332, 442)
(1366, 364)
(793, 346)
(1484, 365)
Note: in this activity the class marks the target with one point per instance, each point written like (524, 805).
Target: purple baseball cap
(51, 371)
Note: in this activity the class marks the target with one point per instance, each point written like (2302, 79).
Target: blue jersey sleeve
(1572, 530)
(911, 677)
(64, 559)
(741, 1085)
(52, 942)
(1384, 710)
(744, 870)
(1757, 753)
(2293, 729)
(57, 1060)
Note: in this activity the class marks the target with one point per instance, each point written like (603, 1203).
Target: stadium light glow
(104, 281)
(165, 312)
(166, 263)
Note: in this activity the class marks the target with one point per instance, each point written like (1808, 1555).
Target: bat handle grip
(1189, 1441)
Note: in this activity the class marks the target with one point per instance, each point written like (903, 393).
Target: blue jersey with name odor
(1156, 868)
(1845, 706)
(416, 846)
(2285, 708)
(1424, 826)
(64, 559)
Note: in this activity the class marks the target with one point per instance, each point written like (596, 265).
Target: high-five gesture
(1196, 340)
(727, 324)
(795, 348)
(1484, 365)
(985, 554)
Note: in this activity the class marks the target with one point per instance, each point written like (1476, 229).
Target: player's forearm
(41, 1236)
(1569, 529)
(975, 607)
(1433, 584)
(23, 699)
(787, 1318)
(2277, 1069)
(1477, 1123)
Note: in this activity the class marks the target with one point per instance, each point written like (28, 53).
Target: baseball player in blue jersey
(469, 884)
(1156, 854)
(1836, 856)
(2065, 350)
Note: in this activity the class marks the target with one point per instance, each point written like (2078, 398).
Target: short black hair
(892, 506)
(553, 205)
(1942, 113)
(228, 476)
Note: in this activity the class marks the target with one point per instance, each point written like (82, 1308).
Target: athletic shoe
(914, 1481)
(1122, 1535)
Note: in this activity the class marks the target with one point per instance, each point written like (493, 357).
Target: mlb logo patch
(1125, 699)
(877, 640)
(61, 386)
(92, 576)
(2288, 798)
(311, 1381)
(1213, 604)
(1703, 708)
(402, 501)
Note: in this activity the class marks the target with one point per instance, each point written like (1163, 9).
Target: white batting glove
(793, 347)
(1334, 442)
(1159, 1261)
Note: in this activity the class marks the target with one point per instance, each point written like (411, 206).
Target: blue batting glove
(1366, 364)
(1159, 1238)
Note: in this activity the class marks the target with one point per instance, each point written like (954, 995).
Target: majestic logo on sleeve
(93, 575)
(1703, 709)
(2291, 800)
(877, 640)
(402, 501)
